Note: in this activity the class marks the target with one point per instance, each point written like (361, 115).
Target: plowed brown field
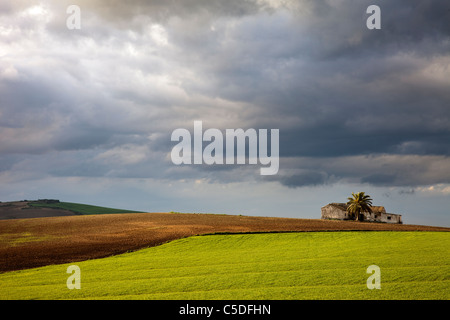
(28, 243)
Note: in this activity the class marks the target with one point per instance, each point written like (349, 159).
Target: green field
(80, 208)
(307, 265)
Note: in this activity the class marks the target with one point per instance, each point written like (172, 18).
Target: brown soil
(28, 243)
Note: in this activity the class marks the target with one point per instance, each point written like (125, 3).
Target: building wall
(391, 218)
(383, 217)
(332, 212)
(373, 216)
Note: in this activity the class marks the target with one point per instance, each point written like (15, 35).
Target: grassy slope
(308, 265)
(81, 208)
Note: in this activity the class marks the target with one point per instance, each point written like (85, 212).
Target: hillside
(50, 208)
(28, 243)
(269, 266)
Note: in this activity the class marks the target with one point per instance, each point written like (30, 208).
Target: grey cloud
(123, 14)
(406, 171)
(361, 101)
(406, 25)
(379, 179)
(309, 178)
(334, 89)
(406, 192)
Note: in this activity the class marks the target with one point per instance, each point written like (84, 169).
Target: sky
(86, 114)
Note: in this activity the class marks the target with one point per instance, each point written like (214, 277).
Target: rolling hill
(28, 243)
(212, 256)
(269, 266)
(26, 209)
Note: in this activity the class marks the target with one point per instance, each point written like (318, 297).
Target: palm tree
(358, 204)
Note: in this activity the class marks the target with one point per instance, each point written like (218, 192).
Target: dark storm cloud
(379, 179)
(364, 91)
(139, 69)
(310, 178)
(353, 90)
(378, 170)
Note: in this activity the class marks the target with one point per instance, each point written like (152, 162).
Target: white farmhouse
(339, 211)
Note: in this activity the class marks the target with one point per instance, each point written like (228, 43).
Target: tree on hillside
(359, 203)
